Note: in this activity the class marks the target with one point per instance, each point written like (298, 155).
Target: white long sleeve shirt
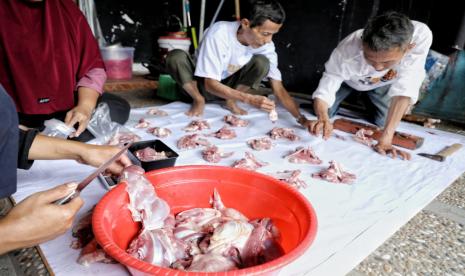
(347, 64)
(220, 53)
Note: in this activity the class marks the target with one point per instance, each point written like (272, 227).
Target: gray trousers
(181, 67)
(376, 102)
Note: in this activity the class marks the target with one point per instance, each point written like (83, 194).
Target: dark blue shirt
(9, 136)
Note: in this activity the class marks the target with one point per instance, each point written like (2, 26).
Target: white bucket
(169, 43)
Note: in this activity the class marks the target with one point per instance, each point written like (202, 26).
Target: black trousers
(119, 112)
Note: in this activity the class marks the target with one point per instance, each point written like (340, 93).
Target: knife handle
(449, 150)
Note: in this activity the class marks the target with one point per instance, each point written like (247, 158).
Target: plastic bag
(108, 132)
(57, 128)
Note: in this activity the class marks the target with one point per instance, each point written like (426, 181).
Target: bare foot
(196, 109)
(232, 106)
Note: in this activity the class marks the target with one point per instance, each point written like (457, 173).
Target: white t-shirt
(220, 53)
(347, 64)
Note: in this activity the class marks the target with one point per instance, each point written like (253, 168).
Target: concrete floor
(431, 243)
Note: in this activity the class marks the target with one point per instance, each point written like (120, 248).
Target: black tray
(159, 146)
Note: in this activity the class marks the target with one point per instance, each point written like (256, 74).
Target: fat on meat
(160, 132)
(211, 263)
(224, 133)
(227, 213)
(291, 177)
(194, 223)
(264, 143)
(282, 132)
(363, 136)
(235, 121)
(230, 234)
(142, 123)
(150, 154)
(335, 174)
(192, 141)
(303, 155)
(197, 125)
(213, 154)
(157, 112)
(249, 162)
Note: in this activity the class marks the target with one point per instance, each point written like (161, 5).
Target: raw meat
(142, 123)
(211, 263)
(227, 213)
(335, 174)
(92, 253)
(303, 155)
(364, 136)
(150, 154)
(249, 162)
(273, 116)
(121, 138)
(197, 125)
(291, 177)
(282, 132)
(160, 132)
(235, 121)
(263, 143)
(224, 133)
(213, 155)
(157, 112)
(192, 141)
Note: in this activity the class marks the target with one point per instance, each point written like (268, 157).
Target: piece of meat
(192, 141)
(142, 123)
(291, 177)
(364, 136)
(121, 138)
(224, 133)
(82, 231)
(227, 213)
(263, 143)
(249, 162)
(303, 155)
(235, 121)
(160, 132)
(273, 116)
(150, 154)
(213, 155)
(157, 112)
(232, 233)
(282, 132)
(197, 125)
(93, 253)
(335, 174)
(193, 224)
(211, 263)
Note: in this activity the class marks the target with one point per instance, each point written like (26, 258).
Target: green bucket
(167, 88)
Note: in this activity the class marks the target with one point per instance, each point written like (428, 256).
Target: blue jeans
(376, 102)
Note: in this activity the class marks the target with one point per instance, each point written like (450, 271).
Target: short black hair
(388, 31)
(258, 11)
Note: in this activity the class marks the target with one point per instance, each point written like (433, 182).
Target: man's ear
(245, 23)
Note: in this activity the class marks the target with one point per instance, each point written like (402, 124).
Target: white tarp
(353, 220)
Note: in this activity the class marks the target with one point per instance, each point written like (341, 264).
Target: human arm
(37, 219)
(397, 109)
(81, 113)
(50, 148)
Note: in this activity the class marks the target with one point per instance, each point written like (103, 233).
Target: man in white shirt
(384, 63)
(234, 57)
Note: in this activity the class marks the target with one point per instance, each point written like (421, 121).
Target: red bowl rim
(125, 259)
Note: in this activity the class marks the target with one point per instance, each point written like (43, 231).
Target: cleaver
(441, 156)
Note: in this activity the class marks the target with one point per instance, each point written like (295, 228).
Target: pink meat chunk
(364, 136)
(122, 138)
(160, 132)
(235, 121)
(142, 123)
(224, 133)
(197, 125)
(335, 174)
(291, 177)
(249, 162)
(157, 112)
(282, 132)
(303, 155)
(192, 141)
(263, 143)
(150, 154)
(213, 154)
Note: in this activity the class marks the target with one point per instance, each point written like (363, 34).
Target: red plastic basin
(185, 187)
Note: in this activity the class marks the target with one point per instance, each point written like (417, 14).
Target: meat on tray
(121, 138)
(364, 136)
(273, 115)
(282, 132)
(263, 143)
(157, 112)
(249, 162)
(235, 121)
(291, 177)
(303, 155)
(213, 154)
(160, 132)
(335, 174)
(192, 141)
(197, 125)
(224, 133)
(150, 154)
(142, 123)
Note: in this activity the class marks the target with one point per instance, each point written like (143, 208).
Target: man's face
(259, 35)
(381, 60)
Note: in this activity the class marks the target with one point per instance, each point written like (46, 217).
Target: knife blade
(91, 177)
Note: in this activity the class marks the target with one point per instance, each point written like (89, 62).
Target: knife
(441, 156)
(91, 177)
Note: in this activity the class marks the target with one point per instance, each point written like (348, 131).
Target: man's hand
(37, 219)
(384, 147)
(96, 155)
(80, 115)
(261, 102)
(316, 127)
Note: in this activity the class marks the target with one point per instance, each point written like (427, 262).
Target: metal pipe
(460, 39)
(217, 12)
(202, 19)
